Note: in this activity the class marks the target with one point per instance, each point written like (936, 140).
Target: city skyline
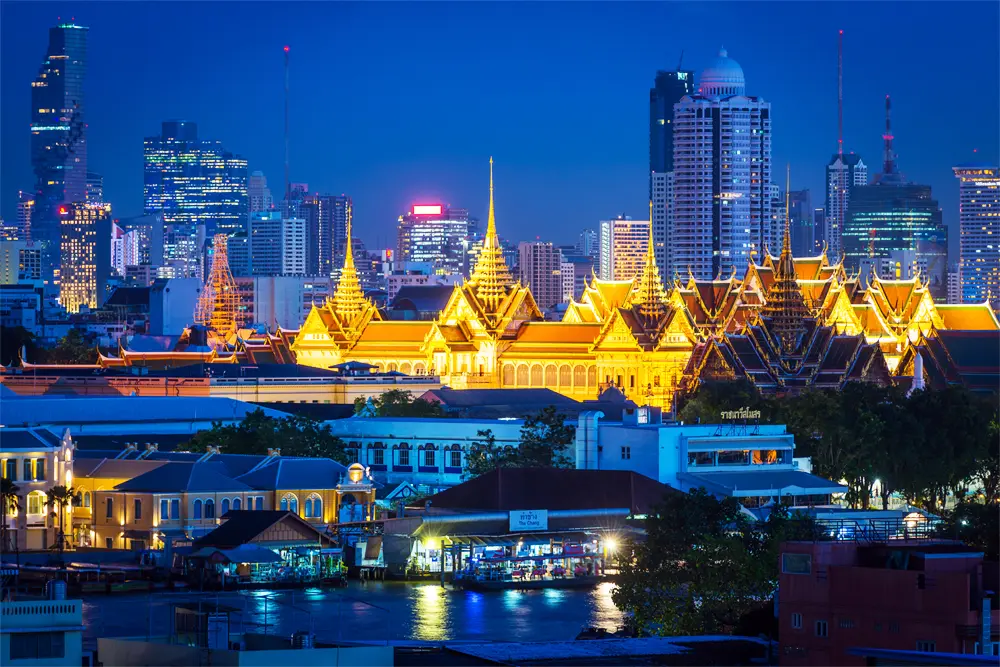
(550, 181)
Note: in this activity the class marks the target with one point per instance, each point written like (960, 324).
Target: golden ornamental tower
(785, 306)
(491, 277)
(218, 304)
(648, 293)
(349, 300)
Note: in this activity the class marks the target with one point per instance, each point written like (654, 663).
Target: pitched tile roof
(190, 477)
(288, 473)
(242, 526)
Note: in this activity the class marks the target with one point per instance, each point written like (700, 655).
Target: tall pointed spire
(785, 306)
(491, 277)
(349, 299)
(219, 301)
(648, 293)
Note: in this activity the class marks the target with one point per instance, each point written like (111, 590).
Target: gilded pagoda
(788, 323)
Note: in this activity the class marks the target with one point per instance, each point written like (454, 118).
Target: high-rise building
(193, 184)
(259, 194)
(326, 230)
(238, 248)
(954, 284)
(8, 231)
(149, 238)
(265, 244)
(295, 198)
(589, 244)
(58, 139)
(20, 263)
(663, 196)
(722, 175)
(623, 247)
(843, 174)
(668, 89)
(436, 234)
(183, 251)
(124, 248)
(979, 232)
(293, 247)
(802, 223)
(819, 229)
(25, 211)
(95, 188)
(540, 267)
(85, 255)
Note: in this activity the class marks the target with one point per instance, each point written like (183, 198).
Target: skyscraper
(198, 187)
(259, 194)
(265, 244)
(802, 222)
(589, 244)
(25, 211)
(663, 215)
(326, 230)
(85, 255)
(435, 234)
(293, 247)
(58, 139)
(722, 174)
(979, 233)
(843, 174)
(668, 89)
(540, 267)
(623, 247)
(95, 188)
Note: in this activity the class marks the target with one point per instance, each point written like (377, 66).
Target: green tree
(485, 455)
(258, 432)
(710, 399)
(10, 501)
(12, 339)
(400, 403)
(976, 524)
(57, 499)
(76, 347)
(703, 565)
(545, 441)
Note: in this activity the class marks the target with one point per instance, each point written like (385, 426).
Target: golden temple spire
(785, 306)
(349, 299)
(648, 292)
(491, 277)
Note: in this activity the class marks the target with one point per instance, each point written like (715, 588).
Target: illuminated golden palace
(788, 323)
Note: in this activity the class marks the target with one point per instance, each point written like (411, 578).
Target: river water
(372, 611)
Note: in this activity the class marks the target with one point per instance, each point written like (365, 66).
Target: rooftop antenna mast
(287, 184)
(840, 94)
(681, 61)
(888, 159)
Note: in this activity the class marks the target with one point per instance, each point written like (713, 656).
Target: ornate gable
(616, 334)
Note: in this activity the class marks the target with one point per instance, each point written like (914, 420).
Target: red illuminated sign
(62, 210)
(427, 209)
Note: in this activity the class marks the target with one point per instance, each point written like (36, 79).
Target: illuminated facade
(85, 252)
(219, 303)
(786, 324)
(623, 246)
(843, 174)
(435, 234)
(979, 229)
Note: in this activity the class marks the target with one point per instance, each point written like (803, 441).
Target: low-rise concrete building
(44, 632)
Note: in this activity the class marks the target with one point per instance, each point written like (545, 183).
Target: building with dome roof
(722, 175)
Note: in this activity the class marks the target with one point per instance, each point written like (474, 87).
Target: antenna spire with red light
(888, 159)
(287, 182)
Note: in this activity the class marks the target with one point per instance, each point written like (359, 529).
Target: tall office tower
(623, 247)
(8, 231)
(589, 244)
(668, 89)
(894, 227)
(20, 264)
(326, 231)
(979, 232)
(843, 174)
(291, 204)
(95, 188)
(436, 234)
(198, 187)
(58, 140)
(238, 250)
(954, 284)
(568, 276)
(819, 229)
(722, 174)
(148, 231)
(800, 218)
(540, 267)
(777, 196)
(265, 244)
(25, 211)
(663, 196)
(258, 193)
(85, 255)
(293, 247)
(117, 249)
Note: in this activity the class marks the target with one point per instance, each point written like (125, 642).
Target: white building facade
(722, 172)
(623, 247)
(844, 173)
(979, 229)
(663, 196)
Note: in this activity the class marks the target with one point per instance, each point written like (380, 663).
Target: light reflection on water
(371, 611)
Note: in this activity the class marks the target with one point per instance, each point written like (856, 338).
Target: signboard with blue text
(529, 520)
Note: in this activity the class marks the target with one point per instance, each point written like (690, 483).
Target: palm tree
(59, 497)
(9, 500)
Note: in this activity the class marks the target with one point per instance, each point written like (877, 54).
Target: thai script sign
(529, 520)
(742, 413)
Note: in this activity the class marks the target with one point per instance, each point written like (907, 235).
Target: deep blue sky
(403, 103)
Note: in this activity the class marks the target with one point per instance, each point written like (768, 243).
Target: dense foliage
(545, 442)
(77, 347)
(703, 566)
(922, 446)
(257, 433)
(399, 403)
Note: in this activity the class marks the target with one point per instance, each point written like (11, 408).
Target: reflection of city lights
(429, 604)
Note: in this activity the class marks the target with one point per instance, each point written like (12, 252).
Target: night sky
(396, 104)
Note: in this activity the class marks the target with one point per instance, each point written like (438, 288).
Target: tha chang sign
(529, 520)
(742, 413)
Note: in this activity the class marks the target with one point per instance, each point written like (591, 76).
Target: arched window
(196, 509)
(522, 375)
(579, 376)
(259, 503)
(225, 507)
(237, 504)
(536, 375)
(550, 375)
(36, 502)
(86, 498)
(290, 503)
(309, 508)
(209, 509)
(314, 507)
(564, 375)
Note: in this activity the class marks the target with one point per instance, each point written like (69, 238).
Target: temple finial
(349, 299)
(648, 292)
(491, 277)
